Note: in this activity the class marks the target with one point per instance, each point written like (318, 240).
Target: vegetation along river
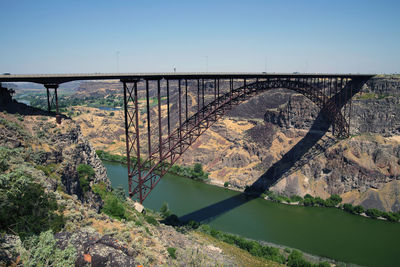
(321, 231)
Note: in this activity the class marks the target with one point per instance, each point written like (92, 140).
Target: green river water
(325, 232)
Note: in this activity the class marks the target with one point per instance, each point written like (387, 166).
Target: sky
(336, 36)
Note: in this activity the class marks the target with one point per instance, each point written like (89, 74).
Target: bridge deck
(63, 78)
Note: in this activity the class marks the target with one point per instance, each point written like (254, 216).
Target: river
(327, 232)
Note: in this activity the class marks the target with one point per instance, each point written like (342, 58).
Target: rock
(138, 207)
(9, 249)
(96, 250)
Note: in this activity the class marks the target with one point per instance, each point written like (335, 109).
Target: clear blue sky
(156, 36)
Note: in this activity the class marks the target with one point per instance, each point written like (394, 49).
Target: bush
(333, 201)
(389, 216)
(113, 207)
(348, 207)
(296, 259)
(373, 213)
(358, 209)
(198, 168)
(111, 114)
(43, 251)
(25, 208)
(85, 174)
(119, 192)
(165, 212)
(308, 201)
(172, 252)
(296, 198)
(151, 220)
(226, 184)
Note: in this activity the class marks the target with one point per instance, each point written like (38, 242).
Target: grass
(240, 256)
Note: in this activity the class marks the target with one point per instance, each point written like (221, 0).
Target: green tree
(358, 209)
(348, 207)
(296, 259)
(198, 168)
(373, 213)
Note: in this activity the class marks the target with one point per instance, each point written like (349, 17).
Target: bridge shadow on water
(271, 176)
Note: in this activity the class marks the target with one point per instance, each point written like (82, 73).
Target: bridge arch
(145, 174)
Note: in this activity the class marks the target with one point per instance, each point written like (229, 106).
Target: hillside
(57, 207)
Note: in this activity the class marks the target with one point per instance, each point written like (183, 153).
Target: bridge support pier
(52, 100)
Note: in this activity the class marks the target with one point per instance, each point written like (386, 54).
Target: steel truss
(331, 95)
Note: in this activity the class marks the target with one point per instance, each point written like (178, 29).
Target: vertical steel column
(244, 85)
(169, 122)
(218, 87)
(186, 102)
(148, 118)
(351, 98)
(48, 99)
(180, 114)
(231, 88)
(159, 119)
(198, 98)
(202, 81)
(50, 102)
(336, 104)
(139, 161)
(215, 90)
(128, 156)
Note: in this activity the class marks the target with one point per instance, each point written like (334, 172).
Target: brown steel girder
(147, 173)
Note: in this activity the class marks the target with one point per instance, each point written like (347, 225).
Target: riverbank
(334, 201)
(330, 233)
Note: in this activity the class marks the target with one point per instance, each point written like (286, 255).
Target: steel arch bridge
(166, 113)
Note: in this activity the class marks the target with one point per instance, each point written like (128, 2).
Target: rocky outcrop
(97, 250)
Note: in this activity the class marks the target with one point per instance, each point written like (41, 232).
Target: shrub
(373, 213)
(119, 192)
(165, 212)
(348, 207)
(85, 174)
(333, 201)
(308, 201)
(172, 252)
(319, 201)
(113, 207)
(25, 208)
(198, 168)
(296, 259)
(296, 198)
(3, 159)
(389, 216)
(43, 251)
(151, 220)
(358, 209)
(111, 114)
(226, 184)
